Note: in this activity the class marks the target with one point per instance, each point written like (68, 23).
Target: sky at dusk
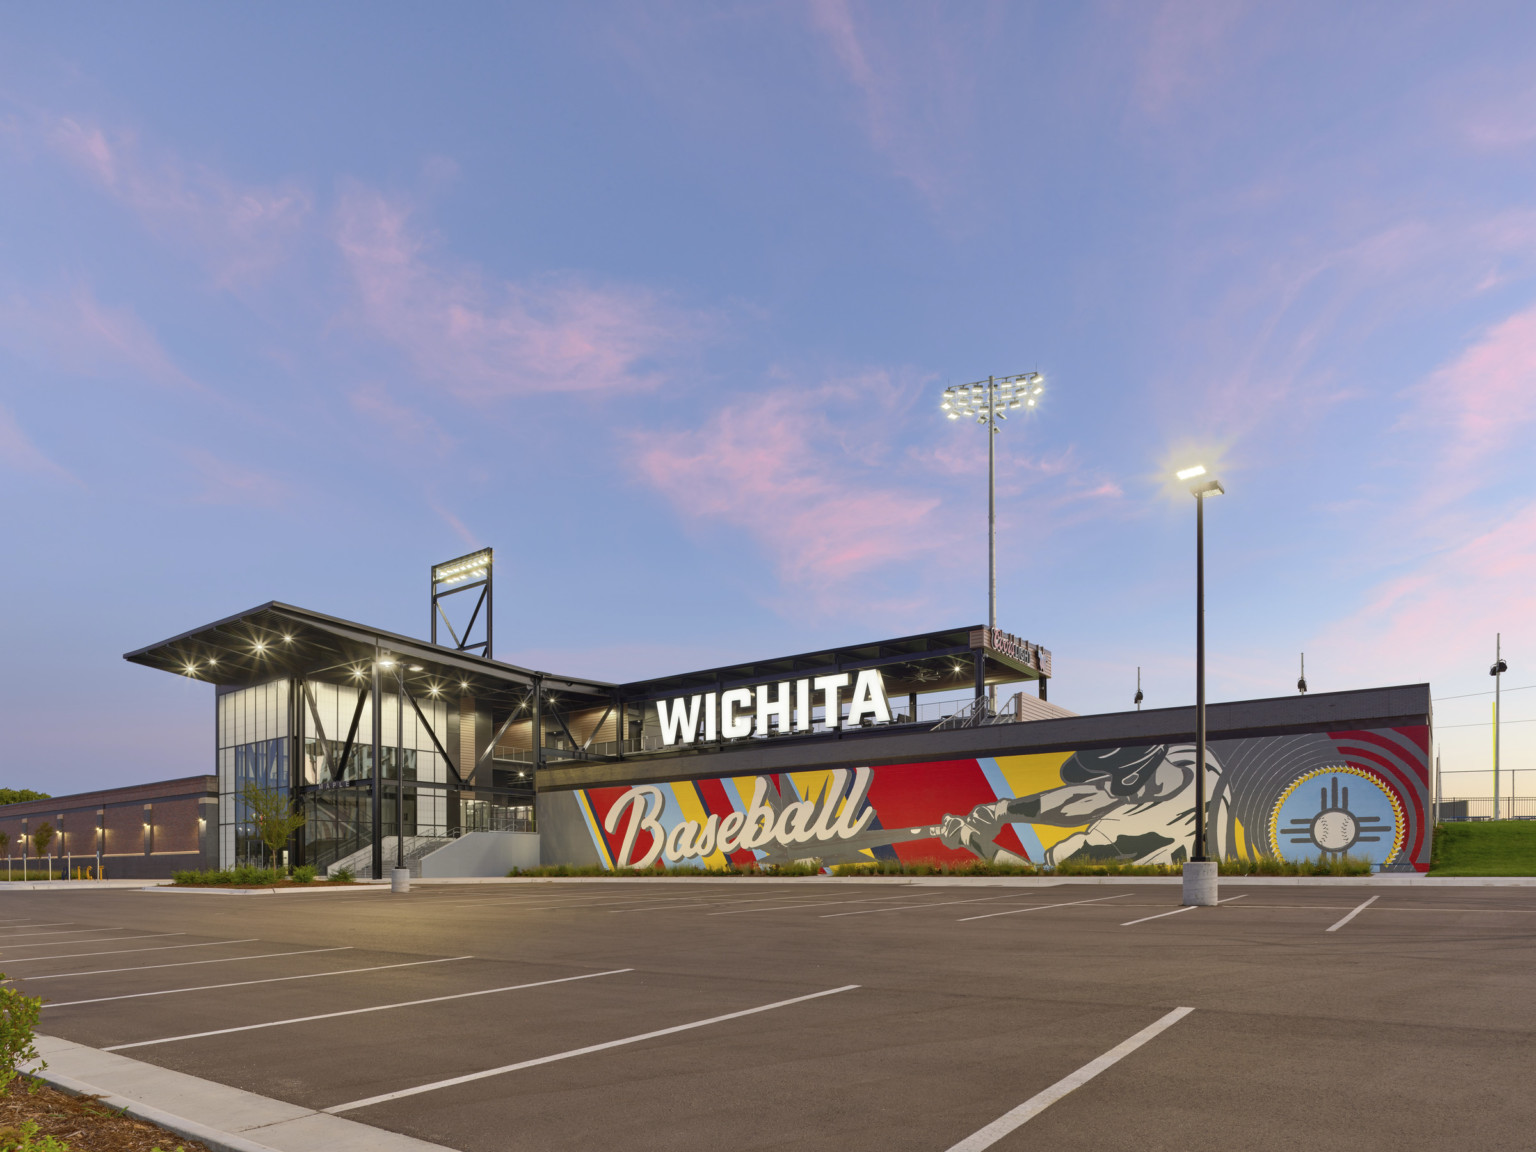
(658, 300)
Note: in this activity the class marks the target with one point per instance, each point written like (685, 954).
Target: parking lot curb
(224, 1118)
(1379, 880)
(202, 890)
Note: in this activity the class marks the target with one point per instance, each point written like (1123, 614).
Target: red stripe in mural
(915, 794)
(601, 801)
(717, 802)
(1364, 746)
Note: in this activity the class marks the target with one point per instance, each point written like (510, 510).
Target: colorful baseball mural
(1361, 792)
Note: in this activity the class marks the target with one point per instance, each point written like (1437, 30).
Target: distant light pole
(1200, 872)
(987, 402)
(1497, 672)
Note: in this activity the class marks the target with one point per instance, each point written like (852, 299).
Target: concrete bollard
(400, 880)
(1200, 882)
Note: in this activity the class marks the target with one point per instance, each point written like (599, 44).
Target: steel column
(376, 798)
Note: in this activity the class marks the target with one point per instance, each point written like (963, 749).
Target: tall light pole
(988, 401)
(1200, 872)
(1497, 672)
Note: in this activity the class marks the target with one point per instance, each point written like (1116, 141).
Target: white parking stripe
(52, 923)
(1160, 915)
(1039, 907)
(1229, 899)
(360, 1011)
(784, 907)
(120, 951)
(183, 963)
(113, 940)
(4, 940)
(1352, 914)
(268, 980)
(907, 907)
(1038, 1103)
(436, 1084)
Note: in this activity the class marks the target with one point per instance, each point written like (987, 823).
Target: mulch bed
(264, 887)
(83, 1122)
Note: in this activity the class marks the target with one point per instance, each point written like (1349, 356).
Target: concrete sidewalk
(226, 1119)
(1377, 880)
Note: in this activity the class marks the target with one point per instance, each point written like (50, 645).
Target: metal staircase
(360, 863)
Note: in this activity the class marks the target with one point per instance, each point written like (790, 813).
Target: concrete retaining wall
(483, 854)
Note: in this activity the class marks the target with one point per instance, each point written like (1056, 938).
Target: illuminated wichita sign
(803, 822)
(785, 705)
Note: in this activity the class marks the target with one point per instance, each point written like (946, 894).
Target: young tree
(42, 837)
(273, 815)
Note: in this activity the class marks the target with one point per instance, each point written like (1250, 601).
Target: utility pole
(1497, 672)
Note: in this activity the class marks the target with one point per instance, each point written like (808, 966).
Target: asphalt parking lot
(785, 1015)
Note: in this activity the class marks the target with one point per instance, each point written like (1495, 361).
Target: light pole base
(1200, 882)
(399, 879)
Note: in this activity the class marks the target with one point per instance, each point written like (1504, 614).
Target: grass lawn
(1490, 848)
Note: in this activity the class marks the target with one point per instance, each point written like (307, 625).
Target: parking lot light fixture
(1200, 871)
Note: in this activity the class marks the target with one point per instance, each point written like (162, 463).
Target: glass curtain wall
(252, 743)
(337, 797)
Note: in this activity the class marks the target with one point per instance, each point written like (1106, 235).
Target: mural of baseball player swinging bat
(1133, 805)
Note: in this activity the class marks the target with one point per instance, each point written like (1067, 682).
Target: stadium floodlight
(986, 402)
(471, 567)
(464, 574)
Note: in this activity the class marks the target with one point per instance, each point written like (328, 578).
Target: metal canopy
(929, 662)
(276, 639)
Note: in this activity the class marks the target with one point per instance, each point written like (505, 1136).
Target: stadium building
(938, 746)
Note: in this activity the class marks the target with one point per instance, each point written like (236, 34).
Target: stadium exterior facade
(402, 750)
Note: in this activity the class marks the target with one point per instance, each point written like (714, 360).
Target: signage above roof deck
(783, 706)
(1007, 644)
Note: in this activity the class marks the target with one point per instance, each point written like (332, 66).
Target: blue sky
(657, 300)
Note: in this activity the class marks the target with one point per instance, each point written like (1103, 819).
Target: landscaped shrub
(305, 873)
(342, 876)
(18, 1030)
(243, 874)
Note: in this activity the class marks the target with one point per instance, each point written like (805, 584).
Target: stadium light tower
(1200, 872)
(986, 402)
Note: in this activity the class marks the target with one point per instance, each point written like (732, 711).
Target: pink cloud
(1481, 406)
(1444, 613)
(1185, 50)
(223, 482)
(20, 454)
(917, 107)
(460, 529)
(408, 424)
(480, 340)
(74, 332)
(777, 466)
(240, 230)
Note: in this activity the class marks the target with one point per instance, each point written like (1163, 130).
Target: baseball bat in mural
(1361, 792)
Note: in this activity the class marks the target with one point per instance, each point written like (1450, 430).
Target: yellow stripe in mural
(1242, 839)
(592, 827)
(1041, 772)
(692, 808)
